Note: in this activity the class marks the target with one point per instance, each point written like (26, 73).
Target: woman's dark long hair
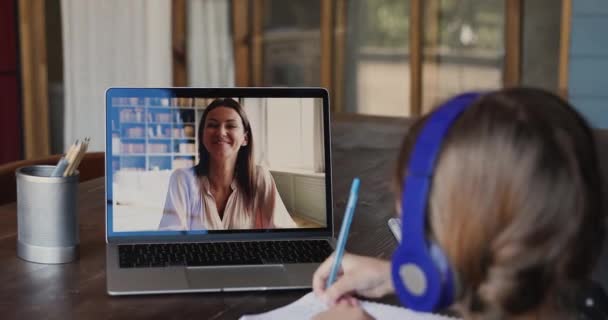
(245, 167)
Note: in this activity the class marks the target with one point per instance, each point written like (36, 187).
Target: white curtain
(110, 43)
(210, 62)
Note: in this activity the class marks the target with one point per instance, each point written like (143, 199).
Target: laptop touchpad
(254, 277)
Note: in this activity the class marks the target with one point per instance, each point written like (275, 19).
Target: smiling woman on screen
(225, 190)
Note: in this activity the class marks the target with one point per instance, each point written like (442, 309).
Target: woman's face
(224, 134)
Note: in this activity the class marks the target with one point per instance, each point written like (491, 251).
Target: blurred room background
(394, 58)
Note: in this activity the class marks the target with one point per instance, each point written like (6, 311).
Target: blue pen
(348, 218)
(60, 167)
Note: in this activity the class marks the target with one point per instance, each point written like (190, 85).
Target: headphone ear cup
(417, 281)
(423, 280)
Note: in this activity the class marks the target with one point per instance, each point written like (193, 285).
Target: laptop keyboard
(222, 253)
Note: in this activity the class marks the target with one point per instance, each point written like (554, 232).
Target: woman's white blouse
(187, 207)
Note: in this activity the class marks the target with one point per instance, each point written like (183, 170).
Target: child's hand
(345, 309)
(365, 276)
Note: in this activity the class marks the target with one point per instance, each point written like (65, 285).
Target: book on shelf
(134, 132)
(163, 117)
(158, 148)
(131, 115)
(186, 147)
(128, 148)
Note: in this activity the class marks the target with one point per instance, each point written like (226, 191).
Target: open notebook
(309, 305)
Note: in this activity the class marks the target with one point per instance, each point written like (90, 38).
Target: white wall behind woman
(287, 133)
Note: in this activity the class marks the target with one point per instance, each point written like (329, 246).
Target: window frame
(333, 28)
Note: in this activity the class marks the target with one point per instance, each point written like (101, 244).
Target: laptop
(216, 189)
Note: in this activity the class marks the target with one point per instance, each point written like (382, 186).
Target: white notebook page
(309, 305)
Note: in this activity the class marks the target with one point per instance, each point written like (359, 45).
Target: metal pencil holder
(47, 215)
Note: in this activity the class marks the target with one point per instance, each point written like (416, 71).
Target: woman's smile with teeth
(222, 141)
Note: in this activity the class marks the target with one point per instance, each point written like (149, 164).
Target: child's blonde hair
(515, 203)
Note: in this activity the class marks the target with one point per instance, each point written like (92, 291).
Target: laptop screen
(197, 161)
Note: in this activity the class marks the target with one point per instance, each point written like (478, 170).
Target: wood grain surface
(364, 147)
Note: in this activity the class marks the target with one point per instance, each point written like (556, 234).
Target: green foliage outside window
(386, 23)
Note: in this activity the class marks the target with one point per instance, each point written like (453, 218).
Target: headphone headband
(422, 277)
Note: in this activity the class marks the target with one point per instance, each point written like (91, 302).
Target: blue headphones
(422, 276)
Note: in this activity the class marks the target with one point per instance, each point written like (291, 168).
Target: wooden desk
(78, 290)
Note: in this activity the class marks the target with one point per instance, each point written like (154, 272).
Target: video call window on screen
(162, 155)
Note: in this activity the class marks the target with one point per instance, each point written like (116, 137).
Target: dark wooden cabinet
(8, 36)
(10, 142)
